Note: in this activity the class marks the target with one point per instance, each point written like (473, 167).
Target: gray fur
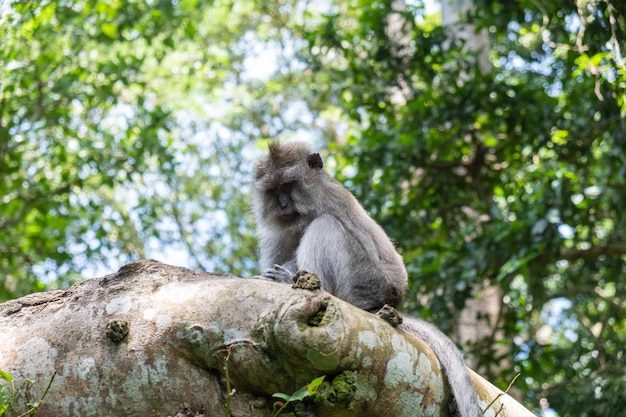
(324, 230)
(452, 363)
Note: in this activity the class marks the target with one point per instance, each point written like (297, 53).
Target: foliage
(128, 132)
(8, 397)
(302, 393)
(92, 142)
(511, 177)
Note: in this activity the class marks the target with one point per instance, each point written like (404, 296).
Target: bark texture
(158, 340)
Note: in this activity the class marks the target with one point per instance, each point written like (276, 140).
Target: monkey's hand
(278, 273)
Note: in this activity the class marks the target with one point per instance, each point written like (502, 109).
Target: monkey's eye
(282, 188)
(288, 185)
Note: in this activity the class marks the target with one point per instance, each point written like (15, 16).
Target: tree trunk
(452, 18)
(158, 340)
(479, 322)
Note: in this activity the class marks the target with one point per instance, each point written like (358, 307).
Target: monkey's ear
(315, 161)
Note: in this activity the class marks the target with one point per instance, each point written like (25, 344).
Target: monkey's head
(286, 184)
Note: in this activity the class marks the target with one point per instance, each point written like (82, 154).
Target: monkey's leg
(334, 254)
(323, 251)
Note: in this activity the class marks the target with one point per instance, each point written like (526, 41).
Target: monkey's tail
(452, 363)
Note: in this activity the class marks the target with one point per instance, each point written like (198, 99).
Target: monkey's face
(285, 185)
(284, 201)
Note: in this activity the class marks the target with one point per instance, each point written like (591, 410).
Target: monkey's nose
(283, 201)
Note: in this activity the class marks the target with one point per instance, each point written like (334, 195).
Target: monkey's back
(363, 266)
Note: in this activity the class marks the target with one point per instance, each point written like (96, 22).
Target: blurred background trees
(492, 149)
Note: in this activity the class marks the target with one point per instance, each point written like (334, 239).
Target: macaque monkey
(307, 221)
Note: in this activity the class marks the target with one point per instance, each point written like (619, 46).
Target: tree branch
(156, 339)
(610, 249)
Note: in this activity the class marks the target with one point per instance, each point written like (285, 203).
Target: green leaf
(5, 398)
(300, 394)
(5, 394)
(315, 384)
(303, 392)
(6, 376)
(110, 30)
(282, 396)
(514, 264)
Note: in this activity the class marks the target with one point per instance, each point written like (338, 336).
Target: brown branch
(185, 323)
(610, 249)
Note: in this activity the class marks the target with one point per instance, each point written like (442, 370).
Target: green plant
(8, 396)
(306, 391)
(500, 395)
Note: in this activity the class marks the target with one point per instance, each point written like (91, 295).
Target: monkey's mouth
(288, 216)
